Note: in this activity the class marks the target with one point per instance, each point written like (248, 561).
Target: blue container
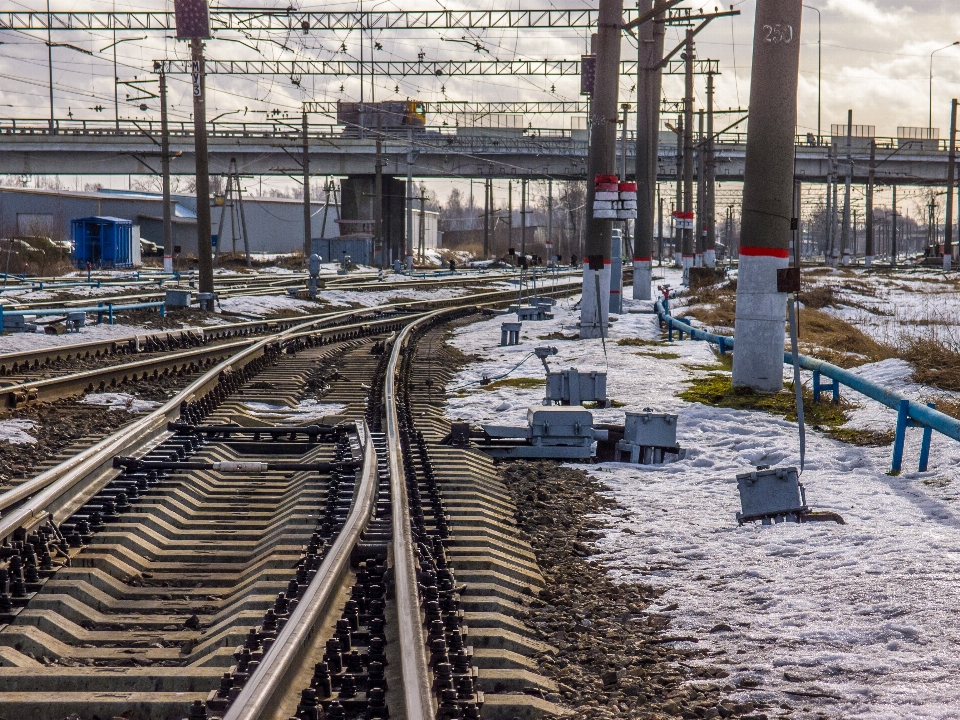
(104, 242)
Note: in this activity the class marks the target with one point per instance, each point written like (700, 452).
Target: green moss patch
(522, 383)
(660, 355)
(639, 342)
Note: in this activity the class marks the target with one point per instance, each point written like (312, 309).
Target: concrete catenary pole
(767, 196)
(523, 217)
(678, 207)
(868, 220)
(550, 244)
(408, 201)
(951, 170)
(687, 247)
(602, 161)
(893, 228)
(378, 197)
(486, 218)
(649, 76)
(165, 176)
(710, 249)
(305, 164)
(204, 247)
(828, 214)
(845, 230)
(701, 226)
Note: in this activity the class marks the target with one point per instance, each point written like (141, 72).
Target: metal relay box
(571, 387)
(771, 495)
(551, 432)
(650, 429)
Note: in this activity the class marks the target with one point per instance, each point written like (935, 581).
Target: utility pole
(767, 197)
(510, 214)
(50, 68)
(893, 230)
(550, 245)
(951, 169)
(868, 250)
(204, 248)
(486, 218)
(710, 253)
(602, 160)
(688, 248)
(701, 226)
(165, 176)
(422, 245)
(649, 54)
(828, 215)
(523, 217)
(408, 201)
(845, 229)
(659, 231)
(678, 207)
(378, 196)
(307, 225)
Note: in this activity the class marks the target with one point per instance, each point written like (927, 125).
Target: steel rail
(31, 501)
(33, 359)
(418, 702)
(271, 679)
(37, 494)
(111, 376)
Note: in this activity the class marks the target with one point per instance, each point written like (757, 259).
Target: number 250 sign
(781, 33)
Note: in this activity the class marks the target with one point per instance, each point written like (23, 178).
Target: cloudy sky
(876, 60)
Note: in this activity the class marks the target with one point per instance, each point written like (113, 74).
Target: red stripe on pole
(639, 259)
(607, 262)
(753, 251)
(688, 256)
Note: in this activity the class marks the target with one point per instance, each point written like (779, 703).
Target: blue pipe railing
(910, 413)
(101, 309)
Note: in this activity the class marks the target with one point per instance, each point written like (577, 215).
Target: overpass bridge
(84, 147)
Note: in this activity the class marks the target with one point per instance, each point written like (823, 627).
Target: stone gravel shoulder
(616, 659)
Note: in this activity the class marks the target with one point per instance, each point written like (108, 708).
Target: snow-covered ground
(889, 306)
(303, 412)
(120, 401)
(839, 621)
(15, 432)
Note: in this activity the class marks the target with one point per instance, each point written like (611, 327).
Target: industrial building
(275, 225)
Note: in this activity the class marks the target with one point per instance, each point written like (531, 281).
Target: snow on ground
(372, 298)
(24, 342)
(851, 621)
(14, 432)
(894, 304)
(263, 305)
(303, 412)
(120, 401)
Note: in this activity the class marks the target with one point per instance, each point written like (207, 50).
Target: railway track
(205, 563)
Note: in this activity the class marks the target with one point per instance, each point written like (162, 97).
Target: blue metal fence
(910, 413)
(101, 309)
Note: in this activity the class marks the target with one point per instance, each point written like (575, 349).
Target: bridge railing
(910, 413)
(273, 130)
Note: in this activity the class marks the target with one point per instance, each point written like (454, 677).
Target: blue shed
(104, 242)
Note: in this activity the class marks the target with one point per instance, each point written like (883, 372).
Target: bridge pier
(357, 200)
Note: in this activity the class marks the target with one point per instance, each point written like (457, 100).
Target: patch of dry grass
(819, 296)
(839, 342)
(934, 362)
